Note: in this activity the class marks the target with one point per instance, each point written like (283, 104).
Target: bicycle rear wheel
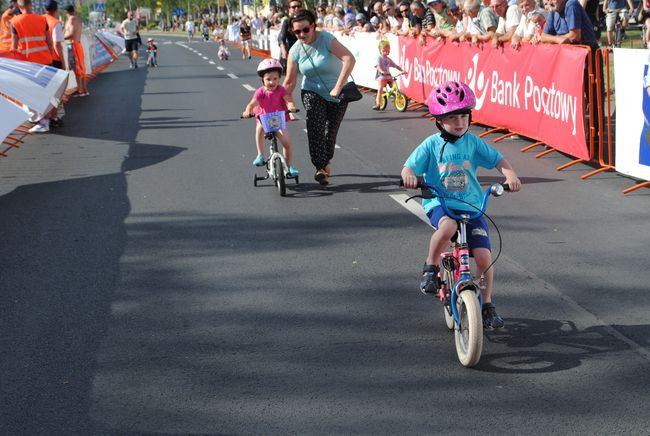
(280, 181)
(469, 334)
(383, 102)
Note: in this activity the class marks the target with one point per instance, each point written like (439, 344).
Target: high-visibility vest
(5, 31)
(32, 37)
(51, 23)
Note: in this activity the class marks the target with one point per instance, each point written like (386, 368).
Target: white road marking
(220, 68)
(211, 62)
(205, 57)
(248, 87)
(232, 76)
(412, 206)
(166, 42)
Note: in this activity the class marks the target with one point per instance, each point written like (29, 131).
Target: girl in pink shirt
(271, 97)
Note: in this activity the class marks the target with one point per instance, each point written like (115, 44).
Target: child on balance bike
(449, 160)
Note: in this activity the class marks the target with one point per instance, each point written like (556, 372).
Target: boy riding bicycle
(449, 160)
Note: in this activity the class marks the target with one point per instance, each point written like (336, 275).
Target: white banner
(365, 48)
(117, 42)
(89, 51)
(38, 86)
(12, 117)
(632, 82)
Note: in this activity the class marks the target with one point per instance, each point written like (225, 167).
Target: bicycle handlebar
(241, 117)
(431, 191)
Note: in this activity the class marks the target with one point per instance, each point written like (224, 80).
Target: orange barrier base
(496, 129)
(599, 170)
(635, 187)
(568, 164)
(531, 146)
(544, 153)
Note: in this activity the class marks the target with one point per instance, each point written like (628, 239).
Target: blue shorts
(478, 235)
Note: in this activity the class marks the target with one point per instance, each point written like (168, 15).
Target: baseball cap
(430, 2)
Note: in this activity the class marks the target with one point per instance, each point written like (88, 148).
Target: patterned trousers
(323, 121)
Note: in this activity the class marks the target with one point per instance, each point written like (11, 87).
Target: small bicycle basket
(273, 121)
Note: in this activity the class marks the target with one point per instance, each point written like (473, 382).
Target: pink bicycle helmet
(451, 98)
(268, 65)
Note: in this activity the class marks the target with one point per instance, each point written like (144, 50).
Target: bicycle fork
(457, 263)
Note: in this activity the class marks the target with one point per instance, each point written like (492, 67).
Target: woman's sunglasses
(304, 30)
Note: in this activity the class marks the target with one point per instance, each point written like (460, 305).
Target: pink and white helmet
(269, 65)
(451, 98)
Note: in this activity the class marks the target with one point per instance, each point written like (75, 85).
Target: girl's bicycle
(459, 293)
(392, 91)
(276, 167)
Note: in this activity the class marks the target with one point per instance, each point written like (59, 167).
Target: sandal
(321, 177)
(430, 283)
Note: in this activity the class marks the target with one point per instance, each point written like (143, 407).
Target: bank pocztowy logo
(477, 82)
(425, 73)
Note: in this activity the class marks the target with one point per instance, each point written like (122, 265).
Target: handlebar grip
(419, 185)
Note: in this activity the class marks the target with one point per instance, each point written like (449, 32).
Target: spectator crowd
(474, 21)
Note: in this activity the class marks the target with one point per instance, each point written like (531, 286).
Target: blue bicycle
(459, 292)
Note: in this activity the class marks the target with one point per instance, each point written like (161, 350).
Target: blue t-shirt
(617, 4)
(455, 174)
(328, 67)
(572, 17)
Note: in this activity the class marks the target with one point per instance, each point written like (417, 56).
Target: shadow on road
(61, 251)
(542, 346)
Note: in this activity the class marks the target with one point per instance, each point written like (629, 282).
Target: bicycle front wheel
(401, 102)
(469, 334)
(448, 278)
(280, 181)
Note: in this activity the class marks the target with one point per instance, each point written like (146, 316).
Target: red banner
(536, 91)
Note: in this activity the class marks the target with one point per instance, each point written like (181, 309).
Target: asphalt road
(148, 288)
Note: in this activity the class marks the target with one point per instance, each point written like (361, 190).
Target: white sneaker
(40, 127)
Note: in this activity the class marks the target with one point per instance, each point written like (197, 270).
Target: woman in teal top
(325, 65)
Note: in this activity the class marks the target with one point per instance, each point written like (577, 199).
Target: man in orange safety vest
(31, 36)
(5, 27)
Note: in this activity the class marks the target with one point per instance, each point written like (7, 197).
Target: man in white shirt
(509, 25)
(528, 25)
(189, 28)
(129, 29)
